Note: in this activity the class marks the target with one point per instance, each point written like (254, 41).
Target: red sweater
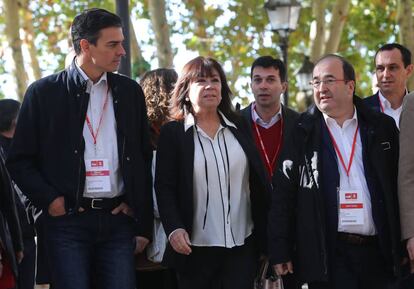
(272, 139)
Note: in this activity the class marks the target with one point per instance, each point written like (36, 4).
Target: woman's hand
(180, 242)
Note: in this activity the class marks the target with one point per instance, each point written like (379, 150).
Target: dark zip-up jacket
(304, 213)
(46, 159)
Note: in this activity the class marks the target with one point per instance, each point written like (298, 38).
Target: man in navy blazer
(392, 69)
(81, 153)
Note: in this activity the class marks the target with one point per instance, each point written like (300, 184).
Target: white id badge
(351, 207)
(97, 176)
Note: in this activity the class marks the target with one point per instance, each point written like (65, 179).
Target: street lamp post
(303, 78)
(283, 16)
(123, 12)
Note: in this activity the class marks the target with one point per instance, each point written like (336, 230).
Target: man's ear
(84, 45)
(351, 84)
(284, 86)
(409, 69)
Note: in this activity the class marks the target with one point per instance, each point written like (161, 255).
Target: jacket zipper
(81, 158)
(123, 153)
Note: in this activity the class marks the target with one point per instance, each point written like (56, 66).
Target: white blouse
(221, 200)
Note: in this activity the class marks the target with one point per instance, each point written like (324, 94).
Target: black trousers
(357, 267)
(216, 267)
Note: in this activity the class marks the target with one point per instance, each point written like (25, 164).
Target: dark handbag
(267, 277)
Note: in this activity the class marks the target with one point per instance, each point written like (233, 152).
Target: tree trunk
(136, 52)
(318, 41)
(15, 43)
(339, 15)
(405, 21)
(161, 31)
(29, 36)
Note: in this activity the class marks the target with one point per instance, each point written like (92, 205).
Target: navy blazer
(373, 102)
(174, 183)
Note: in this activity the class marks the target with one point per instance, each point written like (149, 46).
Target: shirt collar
(189, 121)
(257, 119)
(385, 103)
(85, 77)
(330, 122)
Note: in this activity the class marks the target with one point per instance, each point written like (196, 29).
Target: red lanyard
(88, 122)
(347, 169)
(269, 164)
(380, 102)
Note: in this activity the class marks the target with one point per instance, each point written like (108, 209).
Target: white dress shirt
(257, 119)
(344, 137)
(106, 143)
(388, 110)
(221, 217)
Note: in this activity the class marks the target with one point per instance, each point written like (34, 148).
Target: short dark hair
(199, 66)
(348, 69)
(9, 109)
(88, 25)
(269, 61)
(405, 52)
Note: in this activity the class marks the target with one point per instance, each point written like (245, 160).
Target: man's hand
(410, 249)
(19, 256)
(124, 208)
(57, 207)
(180, 242)
(140, 244)
(284, 268)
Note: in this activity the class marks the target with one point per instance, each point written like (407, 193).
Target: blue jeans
(92, 246)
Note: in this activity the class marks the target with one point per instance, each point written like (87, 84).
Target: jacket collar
(77, 84)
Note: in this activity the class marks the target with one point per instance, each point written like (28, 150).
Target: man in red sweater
(271, 122)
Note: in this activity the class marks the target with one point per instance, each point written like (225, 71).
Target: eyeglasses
(328, 82)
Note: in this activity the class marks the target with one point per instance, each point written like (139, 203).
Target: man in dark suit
(270, 121)
(334, 213)
(392, 69)
(81, 153)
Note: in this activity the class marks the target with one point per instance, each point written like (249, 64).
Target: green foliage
(235, 32)
(139, 67)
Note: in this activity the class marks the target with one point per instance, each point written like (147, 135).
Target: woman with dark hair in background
(11, 242)
(9, 110)
(157, 86)
(210, 184)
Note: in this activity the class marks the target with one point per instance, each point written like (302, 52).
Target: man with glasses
(392, 69)
(334, 213)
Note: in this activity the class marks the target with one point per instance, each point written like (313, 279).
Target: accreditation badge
(97, 176)
(351, 208)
